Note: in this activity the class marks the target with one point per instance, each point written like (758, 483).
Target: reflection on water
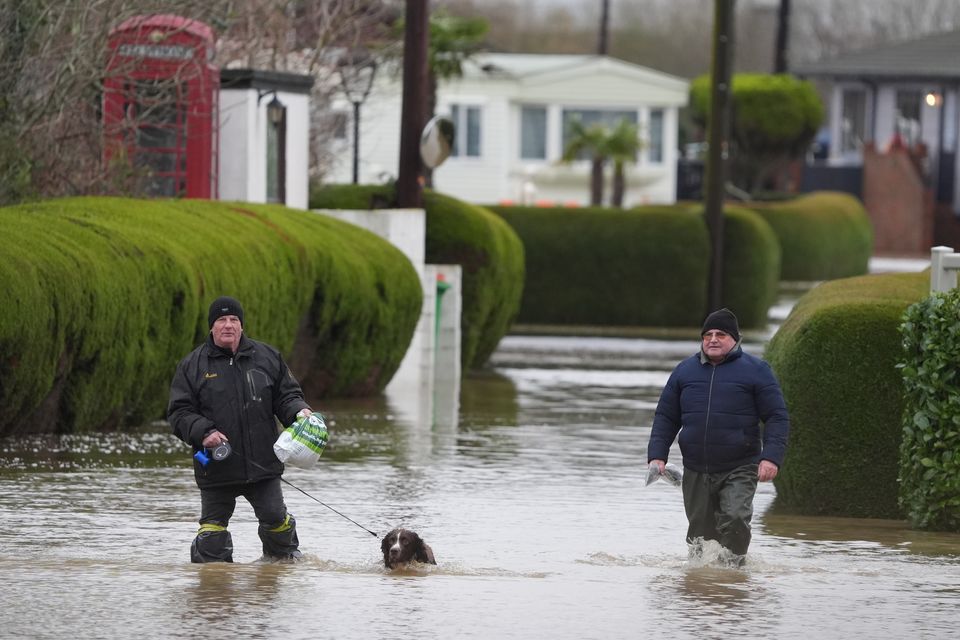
(533, 500)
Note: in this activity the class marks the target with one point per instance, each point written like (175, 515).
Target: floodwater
(532, 498)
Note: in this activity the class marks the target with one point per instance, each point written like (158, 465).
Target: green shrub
(930, 451)
(599, 266)
(105, 295)
(487, 250)
(835, 357)
(751, 258)
(824, 235)
(648, 266)
(774, 118)
(351, 196)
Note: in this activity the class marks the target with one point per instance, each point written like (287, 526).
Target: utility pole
(604, 39)
(717, 137)
(783, 38)
(413, 110)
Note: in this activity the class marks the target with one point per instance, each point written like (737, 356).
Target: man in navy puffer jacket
(716, 401)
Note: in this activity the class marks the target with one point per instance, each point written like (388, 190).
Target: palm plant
(622, 145)
(590, 140)
(453, 41)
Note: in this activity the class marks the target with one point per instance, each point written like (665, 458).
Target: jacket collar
(243, 348)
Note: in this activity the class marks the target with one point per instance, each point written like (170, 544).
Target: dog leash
(282, 479)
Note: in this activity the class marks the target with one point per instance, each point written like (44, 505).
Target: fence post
(944, 264)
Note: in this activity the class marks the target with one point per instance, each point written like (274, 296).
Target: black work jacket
(239, 395)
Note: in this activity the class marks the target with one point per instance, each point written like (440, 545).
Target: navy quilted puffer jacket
(718, 410)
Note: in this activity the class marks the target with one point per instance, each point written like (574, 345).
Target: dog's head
(402, 546)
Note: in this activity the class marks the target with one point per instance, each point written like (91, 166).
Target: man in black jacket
(229, 390)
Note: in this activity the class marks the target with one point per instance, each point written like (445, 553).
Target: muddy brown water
(532, 498)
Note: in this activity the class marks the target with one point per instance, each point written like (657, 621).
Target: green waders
(719, 507)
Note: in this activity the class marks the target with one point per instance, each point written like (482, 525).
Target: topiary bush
(489, 252)
(774, 118)
(648, 266)
(823, 235)
(600, 266)
(104, 296)
(835, 357)
(930, 450)
(751, 273)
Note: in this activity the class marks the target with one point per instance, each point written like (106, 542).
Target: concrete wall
(426, 387)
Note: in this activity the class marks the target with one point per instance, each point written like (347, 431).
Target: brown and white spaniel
(402, 546)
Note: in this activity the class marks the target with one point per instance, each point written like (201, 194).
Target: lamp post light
(276, 150)
(275, 111)
(356, 79)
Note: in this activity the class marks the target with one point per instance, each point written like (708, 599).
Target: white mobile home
(511, 112)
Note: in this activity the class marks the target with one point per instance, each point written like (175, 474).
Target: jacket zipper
(243, 432)
(706, 421)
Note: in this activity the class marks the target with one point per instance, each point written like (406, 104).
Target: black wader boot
(280, 540)
(212, 544)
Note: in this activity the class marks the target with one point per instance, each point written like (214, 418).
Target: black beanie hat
(224, 306)
(724, 320)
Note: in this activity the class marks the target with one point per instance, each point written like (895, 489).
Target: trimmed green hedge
(824, 235)
(648, 266)
(930, 452)
(751, 274)
(488, 251)
(835, 357)
(599, 266)
(104, 295)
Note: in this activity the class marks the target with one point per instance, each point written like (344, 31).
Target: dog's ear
(425, 554)
(385, 543)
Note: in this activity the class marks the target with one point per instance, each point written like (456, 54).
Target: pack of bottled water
(302, 443)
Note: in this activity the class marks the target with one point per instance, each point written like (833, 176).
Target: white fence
(944, 264)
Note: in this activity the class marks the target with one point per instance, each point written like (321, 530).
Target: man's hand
(767, 471)
(661, 464)
(213, 439)
(304, 413)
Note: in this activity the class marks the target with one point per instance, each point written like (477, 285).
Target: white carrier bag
(302, 443)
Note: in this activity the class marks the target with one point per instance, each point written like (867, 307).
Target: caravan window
(466, 122)
(588, 117)
(655, 136)
(533, 133)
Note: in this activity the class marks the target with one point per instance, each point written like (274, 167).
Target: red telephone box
(160, 105)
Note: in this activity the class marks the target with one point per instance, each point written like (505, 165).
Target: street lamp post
(356, 80)
(356, 142)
